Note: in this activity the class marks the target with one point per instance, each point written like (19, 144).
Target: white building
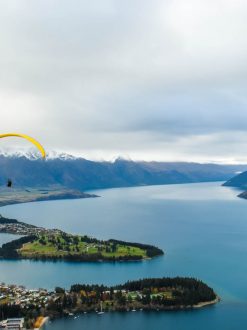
(12, 324)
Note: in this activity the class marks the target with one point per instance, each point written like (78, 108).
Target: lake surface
(202, 228)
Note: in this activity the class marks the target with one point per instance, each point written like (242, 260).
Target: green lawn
(57, 245)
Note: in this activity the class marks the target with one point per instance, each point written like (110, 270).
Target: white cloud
(109, 77)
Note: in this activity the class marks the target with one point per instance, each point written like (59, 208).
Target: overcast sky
(160, 79)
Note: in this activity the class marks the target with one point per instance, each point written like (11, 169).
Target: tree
(146, 300)
(59, 290)
(121, 300)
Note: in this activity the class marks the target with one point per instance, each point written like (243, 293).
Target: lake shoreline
(42, 322)
(207, 303)
(142, 308)
(14, 196)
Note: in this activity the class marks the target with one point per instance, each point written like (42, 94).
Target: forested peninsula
(151, 294)
(53, 244)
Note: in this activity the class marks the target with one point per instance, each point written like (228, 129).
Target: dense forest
(178, 291)
(4, 220)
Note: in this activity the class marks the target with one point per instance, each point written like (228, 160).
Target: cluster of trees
(152, 251)
(83, 257)
(9, 250)
(187, 291)
(64, 242)
(184, 291)
(7, 311)
(4, 221)
(89, 287)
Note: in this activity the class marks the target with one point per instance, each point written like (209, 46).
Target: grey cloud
(106, 77)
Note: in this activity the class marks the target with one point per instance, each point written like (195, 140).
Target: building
(12, 324)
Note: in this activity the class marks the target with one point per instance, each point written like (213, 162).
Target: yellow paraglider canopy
(29, 138)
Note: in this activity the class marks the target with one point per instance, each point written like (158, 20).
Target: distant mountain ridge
(83, 174)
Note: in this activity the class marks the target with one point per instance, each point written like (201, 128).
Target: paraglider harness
(9, 183)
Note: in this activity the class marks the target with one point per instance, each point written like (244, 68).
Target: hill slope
(239, 181)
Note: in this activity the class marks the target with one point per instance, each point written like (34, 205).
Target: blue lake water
(5, 238)
(201, 227)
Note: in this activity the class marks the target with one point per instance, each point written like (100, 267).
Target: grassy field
(61, 245)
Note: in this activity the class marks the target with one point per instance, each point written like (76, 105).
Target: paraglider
(30, 139)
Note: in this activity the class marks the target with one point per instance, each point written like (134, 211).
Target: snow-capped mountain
(27, 169)
(33, 154)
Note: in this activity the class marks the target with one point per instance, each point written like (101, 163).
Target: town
(12, 226)
(16, 302)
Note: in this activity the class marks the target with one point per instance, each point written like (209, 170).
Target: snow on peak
(33, 154)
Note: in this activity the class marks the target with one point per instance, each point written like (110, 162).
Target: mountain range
(83, 174)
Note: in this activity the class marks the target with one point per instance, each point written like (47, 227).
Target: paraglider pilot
(9, 183)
